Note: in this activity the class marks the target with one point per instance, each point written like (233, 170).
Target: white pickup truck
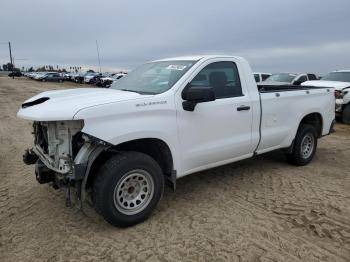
(165, 120)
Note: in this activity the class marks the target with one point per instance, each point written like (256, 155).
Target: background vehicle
(106, 81)
(31, 75)
(73, 76)
(79, 78)
(109, 80)
(67, 76)
(15, 73)
(51, 77)
(289, 79)
(39, 75)
(340, 80)
(98, 79)
(260, 77)
(165, 120)
(90, 77)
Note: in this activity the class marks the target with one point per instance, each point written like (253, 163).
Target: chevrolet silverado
(167, 119)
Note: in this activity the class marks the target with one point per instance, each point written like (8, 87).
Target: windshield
(338, 76)
(281, 77)
(154, 77)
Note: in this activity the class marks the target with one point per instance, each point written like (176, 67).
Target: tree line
(9, 67)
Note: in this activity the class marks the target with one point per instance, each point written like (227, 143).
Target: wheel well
(155, 148)
(314, 119)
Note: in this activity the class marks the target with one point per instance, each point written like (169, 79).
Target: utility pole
(10, 53)
(9, 44)
(13, 77)
(98, 56)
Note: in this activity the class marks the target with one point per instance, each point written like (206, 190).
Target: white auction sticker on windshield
(176, 67)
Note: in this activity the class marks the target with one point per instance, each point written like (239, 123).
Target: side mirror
(297, 82)
(196, 94)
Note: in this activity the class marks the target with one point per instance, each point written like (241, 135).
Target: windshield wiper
(129, 90)
(139, 92)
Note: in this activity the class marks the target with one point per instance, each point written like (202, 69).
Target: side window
(223, 77)
(312, 77)
(264, 77)
(257, 78)
(302, 78)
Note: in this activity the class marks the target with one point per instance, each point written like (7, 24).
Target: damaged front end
(61, 155)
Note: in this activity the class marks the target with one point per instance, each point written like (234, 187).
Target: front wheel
(127, 188)
(304, 146)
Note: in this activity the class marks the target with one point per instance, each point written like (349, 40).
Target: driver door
(219, 131)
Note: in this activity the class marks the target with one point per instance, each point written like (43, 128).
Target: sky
(273, 35)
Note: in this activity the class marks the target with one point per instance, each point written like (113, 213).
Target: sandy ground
(260, 209)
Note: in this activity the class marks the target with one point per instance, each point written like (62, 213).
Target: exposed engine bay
(57, 143)
(61, 154)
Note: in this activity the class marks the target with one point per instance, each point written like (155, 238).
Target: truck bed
(284, 105)
(281, 88)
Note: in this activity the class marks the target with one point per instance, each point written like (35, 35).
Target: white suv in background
(259, 77)
(289, 79)
(340, 80)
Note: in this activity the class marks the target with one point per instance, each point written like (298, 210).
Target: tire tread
(295, 157)
(106, 174)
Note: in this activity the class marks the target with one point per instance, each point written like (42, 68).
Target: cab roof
(195, 58)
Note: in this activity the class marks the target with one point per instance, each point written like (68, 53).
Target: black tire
(109, 183)
(346, 114)
(297, 157)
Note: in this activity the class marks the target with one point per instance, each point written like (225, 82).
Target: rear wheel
(304, 146)
(127, 188)
(346, 115)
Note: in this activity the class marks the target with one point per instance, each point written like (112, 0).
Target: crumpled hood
(324, 83)
(64, 104)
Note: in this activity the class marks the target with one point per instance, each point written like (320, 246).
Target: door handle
(242, 108)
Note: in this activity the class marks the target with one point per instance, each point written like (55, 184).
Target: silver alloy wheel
(133, 192)
(307, 145)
